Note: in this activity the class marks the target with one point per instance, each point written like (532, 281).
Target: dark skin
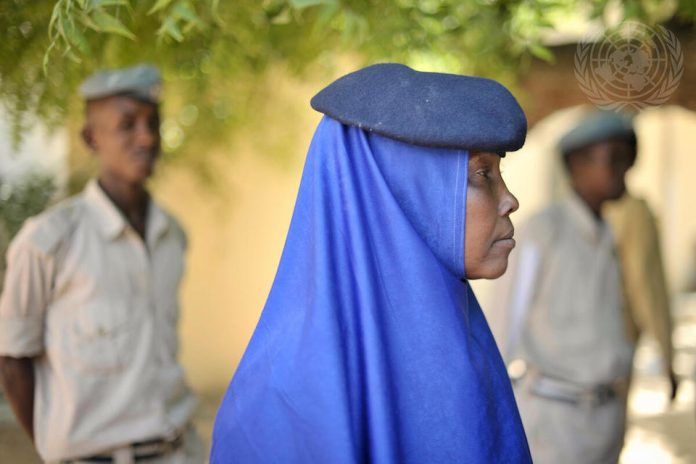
(17, 379)
(597, 175)
(489, 231)
(123, 134)
(598, 172)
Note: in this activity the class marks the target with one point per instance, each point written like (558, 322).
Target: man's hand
(17, 379)
(674, 384)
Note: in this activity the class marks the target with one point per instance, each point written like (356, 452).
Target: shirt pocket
(103, 337)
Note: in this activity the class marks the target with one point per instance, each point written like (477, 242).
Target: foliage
(22, 199)
(214, 53)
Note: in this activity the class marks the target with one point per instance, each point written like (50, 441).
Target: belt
(566, 391)
(141, 451)
(571, 393)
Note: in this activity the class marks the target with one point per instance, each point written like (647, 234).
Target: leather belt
(545, 386)
(141, 451)
(571, 393)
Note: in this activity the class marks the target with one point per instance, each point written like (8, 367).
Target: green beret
(597, 127)
(142, 82)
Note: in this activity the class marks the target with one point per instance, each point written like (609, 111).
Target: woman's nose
(509, 203)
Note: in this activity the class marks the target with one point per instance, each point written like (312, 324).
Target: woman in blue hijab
(372, 347)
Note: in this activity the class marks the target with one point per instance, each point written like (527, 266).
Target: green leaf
(47, 56)
(159, 5)
(94, 4)
(74, 36)
(54, 17)
(355, 27)
(108, 23)
(170, 28)
(87, 21)
(302, 4)
(68, 53)
(544, 23)
(215, 12)
(541, 52)
(283, 17)
(183, 10)
(326, 14)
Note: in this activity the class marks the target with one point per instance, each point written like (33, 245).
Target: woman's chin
(490, 270)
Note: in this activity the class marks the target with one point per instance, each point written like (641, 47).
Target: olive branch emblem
(632, 67)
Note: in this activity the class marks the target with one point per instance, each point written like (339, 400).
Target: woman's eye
(485, 173)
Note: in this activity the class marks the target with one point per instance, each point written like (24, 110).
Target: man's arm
(25, 296)
(17, 379)
(644, 280)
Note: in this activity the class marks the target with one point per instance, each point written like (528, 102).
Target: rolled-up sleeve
(26, 293)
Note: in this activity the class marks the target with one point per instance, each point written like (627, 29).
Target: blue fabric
(426, 108)
(371, 347)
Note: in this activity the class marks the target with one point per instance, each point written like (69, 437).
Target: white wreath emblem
(632, 67)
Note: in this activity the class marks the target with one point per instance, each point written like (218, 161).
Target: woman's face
(489, 203)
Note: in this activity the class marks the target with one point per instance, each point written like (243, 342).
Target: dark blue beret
(427, 109)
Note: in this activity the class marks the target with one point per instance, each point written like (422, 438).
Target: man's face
(124, 134)
(489, 203)
(600, 171)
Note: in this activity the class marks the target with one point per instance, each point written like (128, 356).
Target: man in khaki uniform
(561, 323)
(89, 311)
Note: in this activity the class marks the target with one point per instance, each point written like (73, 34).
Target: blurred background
(236, 123)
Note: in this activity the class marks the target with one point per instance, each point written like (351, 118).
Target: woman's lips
(505, 242)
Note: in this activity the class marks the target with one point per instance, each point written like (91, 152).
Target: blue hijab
(371, 347)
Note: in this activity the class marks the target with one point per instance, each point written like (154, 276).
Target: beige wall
(234, 246)
(237, 229)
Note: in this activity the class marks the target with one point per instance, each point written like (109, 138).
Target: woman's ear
(88, 137)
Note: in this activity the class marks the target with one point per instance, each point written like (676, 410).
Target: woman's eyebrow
(480, 162)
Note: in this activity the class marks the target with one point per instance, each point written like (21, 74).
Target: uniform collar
(157, 222)
(592, 228)
(111, 221)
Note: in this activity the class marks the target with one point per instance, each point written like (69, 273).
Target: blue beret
(427, 109)
(142, 82)
(596, 127)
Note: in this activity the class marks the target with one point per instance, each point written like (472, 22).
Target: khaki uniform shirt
(559, 305)
(644, 284)
(97, 308)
